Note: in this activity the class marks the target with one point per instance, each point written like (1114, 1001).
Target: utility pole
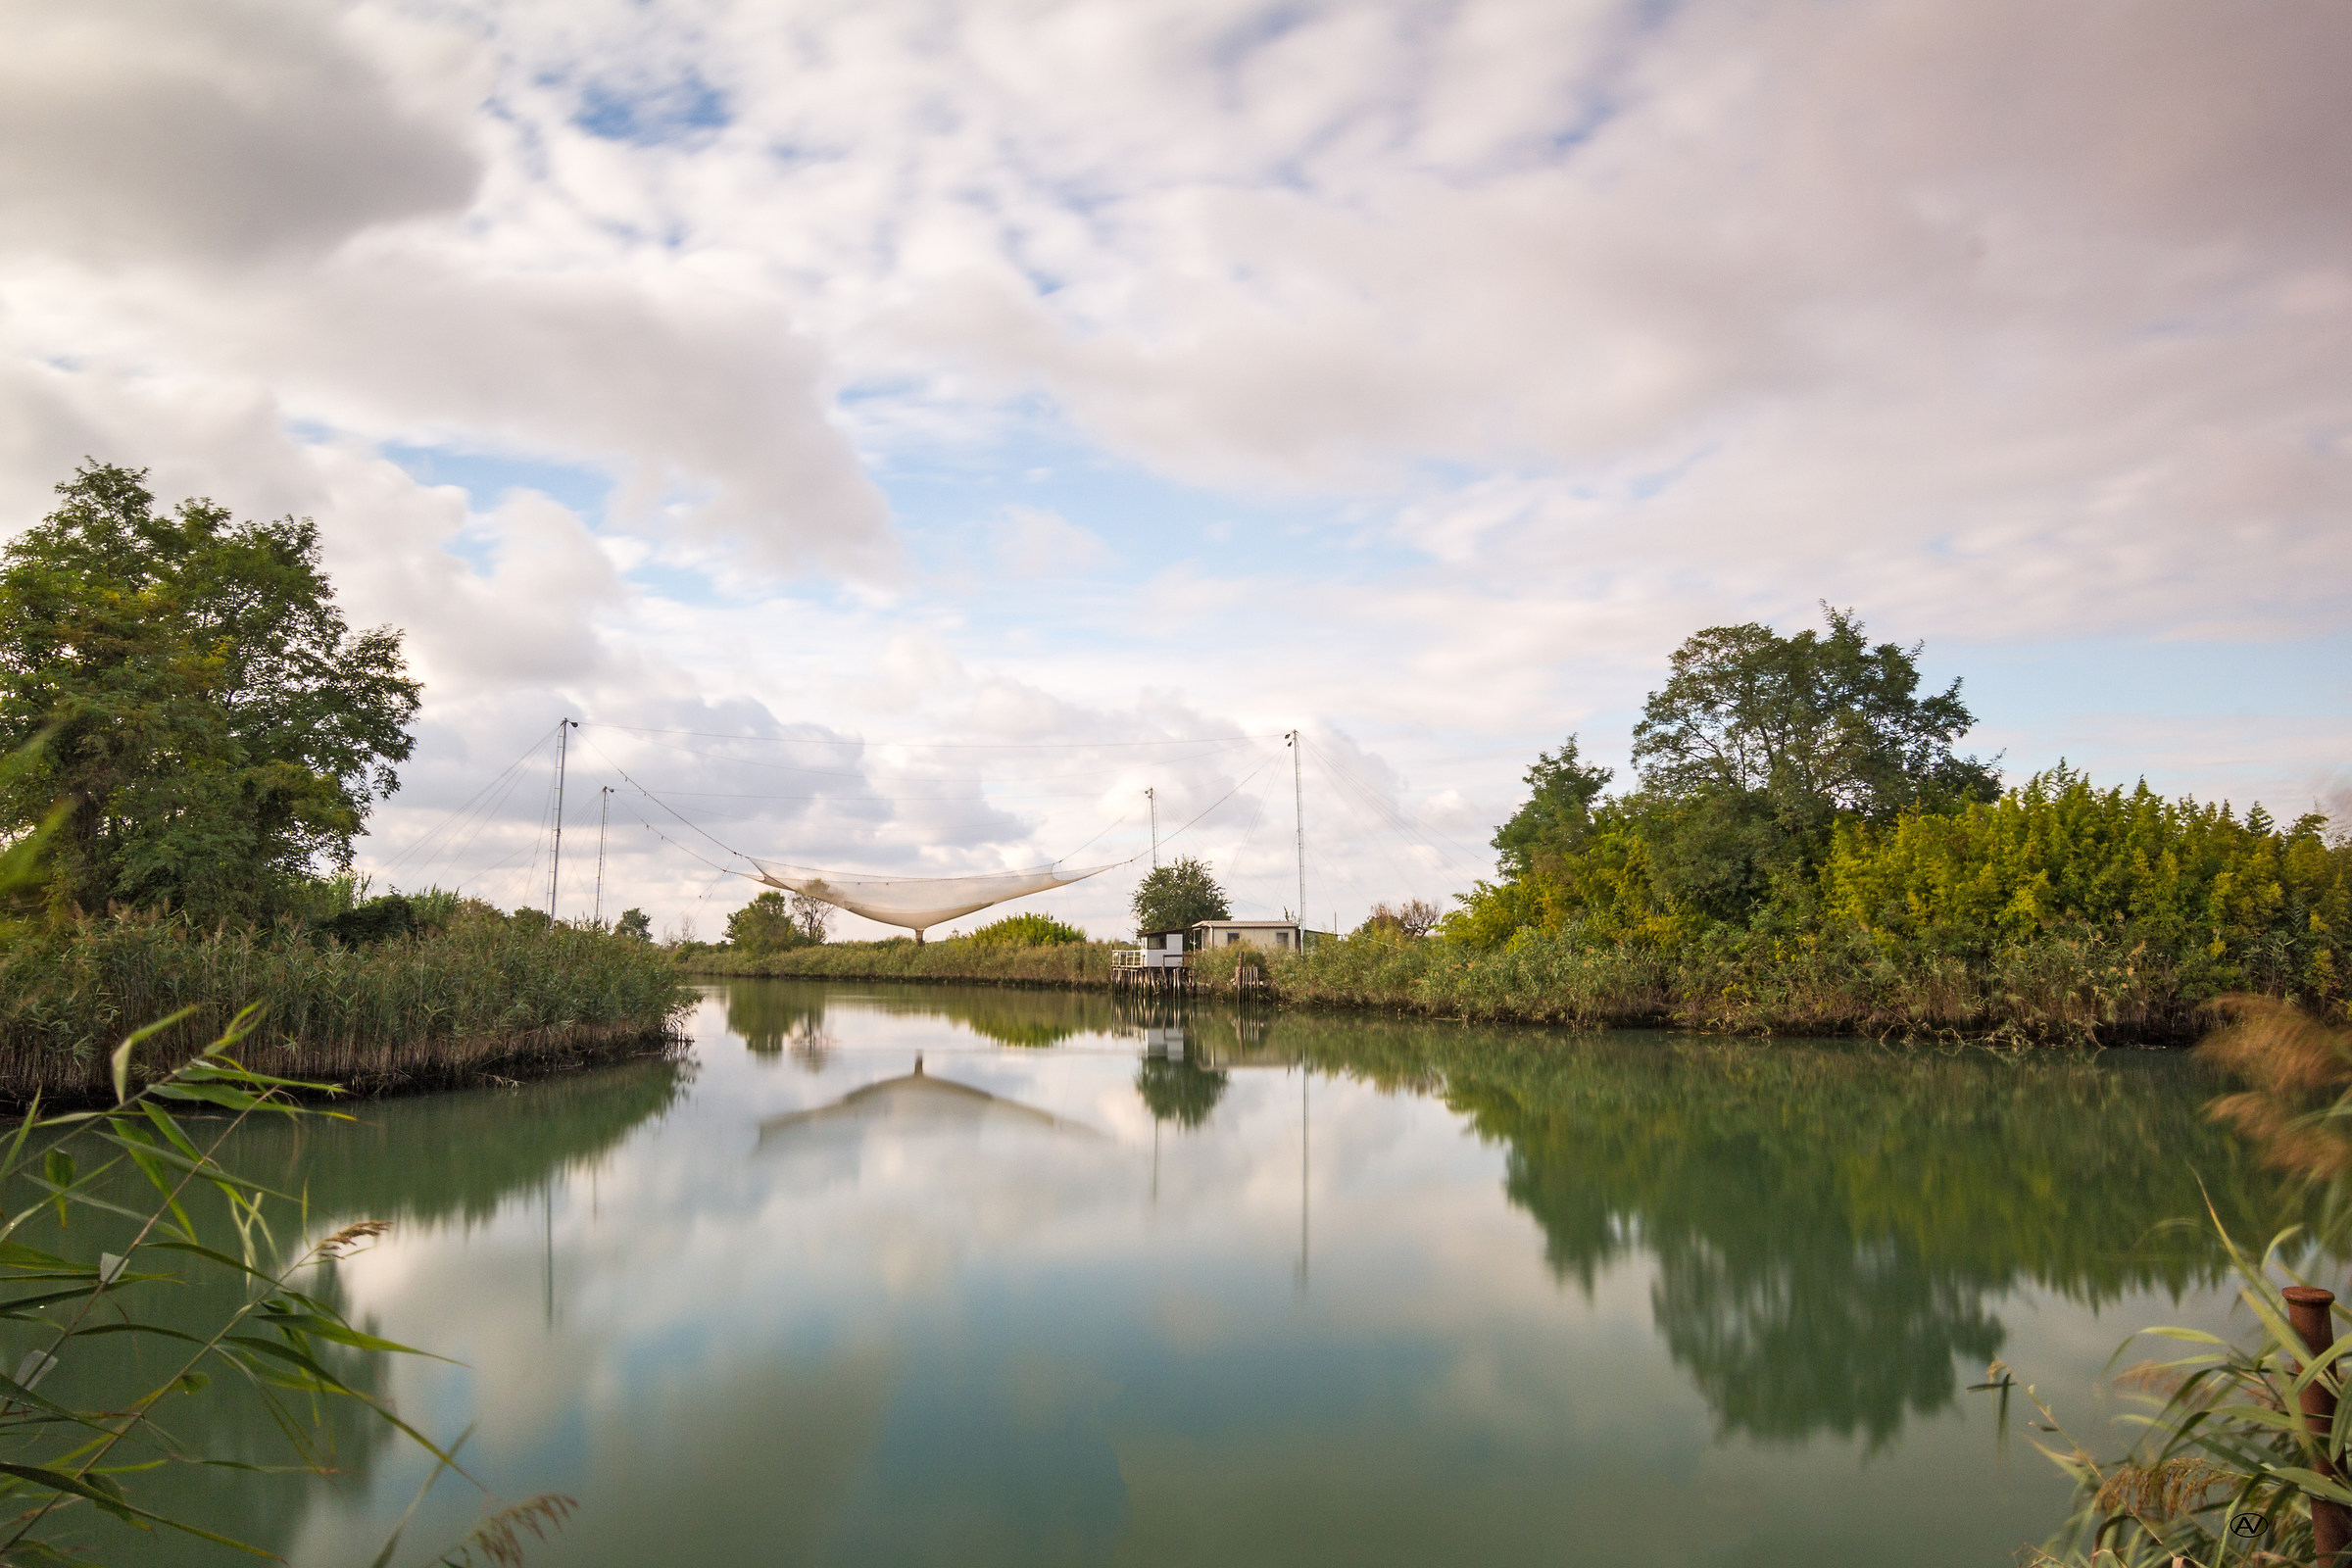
(1299, 807)
(554, 864)
(1152, 797)
(603, 814)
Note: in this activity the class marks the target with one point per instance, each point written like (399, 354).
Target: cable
(788, 864)
(824, 773)
(503, 775)
(868, 776)
(934, 746)
(1250, 834)
(1220, 801)
(890, 799)
(688, 849)
(665, 806)
(1385, 810)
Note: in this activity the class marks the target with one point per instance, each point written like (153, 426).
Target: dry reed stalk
(2298, 1068)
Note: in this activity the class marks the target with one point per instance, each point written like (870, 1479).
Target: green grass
(1075, 965)
(479, 998)
(2072, 985)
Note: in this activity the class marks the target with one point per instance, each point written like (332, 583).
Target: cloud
(1419, 372)
(226, 133)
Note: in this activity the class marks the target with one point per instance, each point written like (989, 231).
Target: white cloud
(222, 135)
(1523, 339)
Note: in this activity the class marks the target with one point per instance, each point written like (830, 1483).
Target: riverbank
(483, 998)
(2068, 987)
(1062, 966)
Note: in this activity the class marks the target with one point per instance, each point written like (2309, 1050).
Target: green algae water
(935, 1276)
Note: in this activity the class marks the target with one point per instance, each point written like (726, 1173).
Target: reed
(134, 1196)
(1074, 965)
(481, 997)
(2239, 1455)
(2076, 985)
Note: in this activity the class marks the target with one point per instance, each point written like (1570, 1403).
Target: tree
(812, 914)
(1758, 743)
(635, 924)
(767, 925)
(1175, 896)
(212, 729)
(1557, 812)
(1414, 918)
(1180, 1090)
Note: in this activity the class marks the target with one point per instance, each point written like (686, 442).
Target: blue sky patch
(676, 112)
(486, 477)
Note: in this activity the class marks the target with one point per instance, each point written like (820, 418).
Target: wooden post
(2331, 1522)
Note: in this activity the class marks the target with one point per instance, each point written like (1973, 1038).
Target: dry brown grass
(2299, 1070)
(2161, 1492)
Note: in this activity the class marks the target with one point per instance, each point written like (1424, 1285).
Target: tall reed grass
(2075, 985)
(480, 997)
(1075, 965)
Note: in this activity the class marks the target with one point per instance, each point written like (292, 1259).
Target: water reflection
(1016, 1277)
(450, 1157)
(774, 1020)
(1178, 1090)
(917, 1103)
(1828, 1220)
(461, 1155)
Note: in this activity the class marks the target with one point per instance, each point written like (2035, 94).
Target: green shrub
(1027, 931)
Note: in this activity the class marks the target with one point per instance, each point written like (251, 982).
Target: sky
(905, 433)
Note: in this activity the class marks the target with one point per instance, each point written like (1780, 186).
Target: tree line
(1799, 797)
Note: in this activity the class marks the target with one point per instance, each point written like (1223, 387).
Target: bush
(375, 920)
(1026, 931)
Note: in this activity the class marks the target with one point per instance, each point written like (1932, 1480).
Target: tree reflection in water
(1828, 1219)
(1178, 1090)
(773, 1020)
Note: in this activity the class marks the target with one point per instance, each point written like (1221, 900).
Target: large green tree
(1174, 895)
(209, 729)
(767, 925)
(1558, 812)
(1758, 743)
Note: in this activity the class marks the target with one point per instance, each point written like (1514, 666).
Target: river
(939, 1276)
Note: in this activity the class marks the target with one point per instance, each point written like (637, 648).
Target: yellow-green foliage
(1027, 931)
(2226, 904)
(1603, 890)
(2057, 913)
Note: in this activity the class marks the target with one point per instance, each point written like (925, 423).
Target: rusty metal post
(2331, 1522)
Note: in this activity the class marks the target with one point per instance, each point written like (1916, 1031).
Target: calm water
(1092, 1287)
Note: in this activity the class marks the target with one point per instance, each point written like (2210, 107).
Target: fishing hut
(1155, 963)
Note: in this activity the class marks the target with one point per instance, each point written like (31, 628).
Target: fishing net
(918, 903)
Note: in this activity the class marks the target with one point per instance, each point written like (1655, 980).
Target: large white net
(918, 903)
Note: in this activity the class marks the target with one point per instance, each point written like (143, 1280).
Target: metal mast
(554, 864)
(1152, 797)
(1298, 810)
(603, 814)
